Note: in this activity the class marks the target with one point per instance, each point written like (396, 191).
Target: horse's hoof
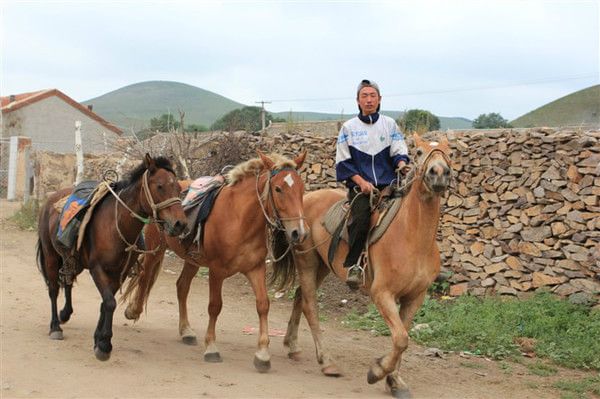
(213, 357)
(63, 317)
(295, 356)
(189, 340)
(262, 365)
(371, 377)
(100, 355)
(130, 314)
(331, 371)
(401, 393)
(58, 335)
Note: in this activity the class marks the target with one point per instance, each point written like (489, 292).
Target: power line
(456, 89)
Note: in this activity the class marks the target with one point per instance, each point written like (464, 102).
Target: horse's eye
(419, 152)
(160, 187)
(278, 189)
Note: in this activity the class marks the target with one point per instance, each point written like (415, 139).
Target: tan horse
(235, 241)
(404, 262)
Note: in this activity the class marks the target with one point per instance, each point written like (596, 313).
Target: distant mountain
(575, 109)
(132, 107)
(445, 122)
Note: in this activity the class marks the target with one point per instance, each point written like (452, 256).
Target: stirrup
(355, 283)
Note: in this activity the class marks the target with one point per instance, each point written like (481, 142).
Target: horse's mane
(255, 165)
(137, 173)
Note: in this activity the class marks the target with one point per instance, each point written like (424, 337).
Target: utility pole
(262, 113)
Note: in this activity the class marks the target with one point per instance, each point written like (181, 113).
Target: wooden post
(78, 152)
(11, 193)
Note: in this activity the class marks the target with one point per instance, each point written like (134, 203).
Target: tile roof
(25, 99)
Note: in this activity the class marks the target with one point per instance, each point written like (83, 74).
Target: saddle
(72, 210)
(336, 221)
(198, 202)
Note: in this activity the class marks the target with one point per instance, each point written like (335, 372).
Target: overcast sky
(454, 58)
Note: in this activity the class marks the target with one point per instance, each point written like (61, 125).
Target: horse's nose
(298, 235)
(179, 227)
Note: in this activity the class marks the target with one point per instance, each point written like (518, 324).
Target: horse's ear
(300, 160)
(444, 142)
(267, 162)
(417, 139)
(149, 163)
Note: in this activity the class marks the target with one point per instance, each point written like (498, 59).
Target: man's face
(368, 100)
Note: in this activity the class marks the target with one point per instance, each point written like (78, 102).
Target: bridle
(153, 219)
(274, 223)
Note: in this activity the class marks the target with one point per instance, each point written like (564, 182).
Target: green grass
(581, 107)
(579, 389)
(541, 369)
(26, 218)
(565, 333)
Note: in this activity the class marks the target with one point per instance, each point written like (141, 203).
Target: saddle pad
(198, 212)
(199, 188)
(336, 214)
(100, 193)
(71, 213)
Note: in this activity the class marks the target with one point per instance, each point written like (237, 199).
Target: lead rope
(131, 248)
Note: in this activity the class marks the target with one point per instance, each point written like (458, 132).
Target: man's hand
(365, 186)
(402, 167)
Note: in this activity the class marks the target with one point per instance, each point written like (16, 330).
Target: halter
(154, 219)
(276, 222)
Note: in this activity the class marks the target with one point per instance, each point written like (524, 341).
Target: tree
(247, 118)
(490, 121)
(418, 120)
(164, 123)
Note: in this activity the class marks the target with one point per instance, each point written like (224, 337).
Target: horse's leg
(389, 311)
(310, 279)
(262, 357)
(103, 333)
(215, 303)
(393, 381)
(52, 263)
(291, 335)
(187, 334)
(67, 310)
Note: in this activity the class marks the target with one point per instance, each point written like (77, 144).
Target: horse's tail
(41, 260)
(283, 275)
(134, 282)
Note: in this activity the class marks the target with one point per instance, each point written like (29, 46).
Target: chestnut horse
(150, 194)
(262, 199)
(401, 265)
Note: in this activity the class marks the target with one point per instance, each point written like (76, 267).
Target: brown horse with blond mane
(109, 243)
(261, 201)
(401, 264)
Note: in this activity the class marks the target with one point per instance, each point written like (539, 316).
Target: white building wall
(50, 123)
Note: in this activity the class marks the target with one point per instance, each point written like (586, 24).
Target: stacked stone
(525, 213)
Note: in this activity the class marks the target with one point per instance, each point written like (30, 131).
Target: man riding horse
(370, 149)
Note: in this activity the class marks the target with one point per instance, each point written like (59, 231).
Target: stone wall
(524, 212)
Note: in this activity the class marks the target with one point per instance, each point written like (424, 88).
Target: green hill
(133, 106)
(579, 108)
(445, 122)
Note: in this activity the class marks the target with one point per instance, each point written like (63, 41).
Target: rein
(133, 247)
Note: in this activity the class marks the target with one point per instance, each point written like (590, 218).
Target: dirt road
(149, 361)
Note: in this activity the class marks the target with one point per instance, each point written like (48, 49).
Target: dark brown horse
(150, 194)
(401, 265)
(263, 196)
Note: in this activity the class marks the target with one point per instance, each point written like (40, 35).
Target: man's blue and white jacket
(369, 150)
